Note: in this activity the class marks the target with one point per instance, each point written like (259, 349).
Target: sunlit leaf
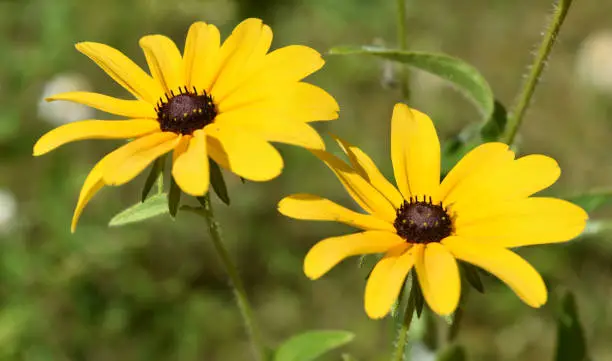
(310, 345)
(174, 197)
(218, 183)
(151, 207)
(571, 343)
(452, 353)
(459, 73)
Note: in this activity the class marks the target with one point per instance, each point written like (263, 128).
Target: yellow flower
(480, 210)
(224, 101)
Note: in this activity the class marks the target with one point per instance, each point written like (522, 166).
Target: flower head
(480, 210)
(223, 101)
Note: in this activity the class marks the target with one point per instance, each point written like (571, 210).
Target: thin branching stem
(524, 99)
(237, 286)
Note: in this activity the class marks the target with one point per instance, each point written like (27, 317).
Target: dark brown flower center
(185, 112)
(422, 222)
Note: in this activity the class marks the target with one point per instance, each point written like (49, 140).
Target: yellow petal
(386, 280)
(181, 147)
(126, 108)
(93, 183)
(331, 251)
(293, 101)
(519, 275)
(290, 63)
(268, 126)
(200, 56)
(94, 129)
(242, 153)
(278, 71)
(235, 54)
(123, 71)
(128, 161)
(315, 208)
(480, 159)
(360, 190)
(415, 152)
(364, 165)
(165, 61)
(190, 170)
(438, 276)
(246, 60)
(522, 222)
(505, 181)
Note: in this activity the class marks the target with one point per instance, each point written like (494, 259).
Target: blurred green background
(156, 291)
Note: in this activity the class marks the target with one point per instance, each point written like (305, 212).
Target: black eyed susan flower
(223, 101)
(480, 210)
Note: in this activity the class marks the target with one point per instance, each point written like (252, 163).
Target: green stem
(241, 297)
(524, 99)
(400, 345)
(402, 42)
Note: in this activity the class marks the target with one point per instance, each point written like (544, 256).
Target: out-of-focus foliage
(155, 290)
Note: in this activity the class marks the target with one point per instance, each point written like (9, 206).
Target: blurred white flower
(62, 112)
(8, 210)
(594, 61)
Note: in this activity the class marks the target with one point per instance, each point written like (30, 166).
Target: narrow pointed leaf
(154, 174)
(472, 276)
(152, 207)
(310, 345)
(416, 292)
(571, 343)
(174, 197)
(459, 73)
(218, 183)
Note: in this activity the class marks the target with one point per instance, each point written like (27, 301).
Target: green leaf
(459, 73)
(571, 343)
(348, 357)
(472, 276)
(174, 197)
(455, 148)
(218, 183)
(494, 128)
(452, 353)
(592, 200)
(152, 207)
(419, 301)
(310, 345)
(154, 173)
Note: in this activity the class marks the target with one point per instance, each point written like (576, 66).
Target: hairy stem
(238, 288)
(524, 99)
